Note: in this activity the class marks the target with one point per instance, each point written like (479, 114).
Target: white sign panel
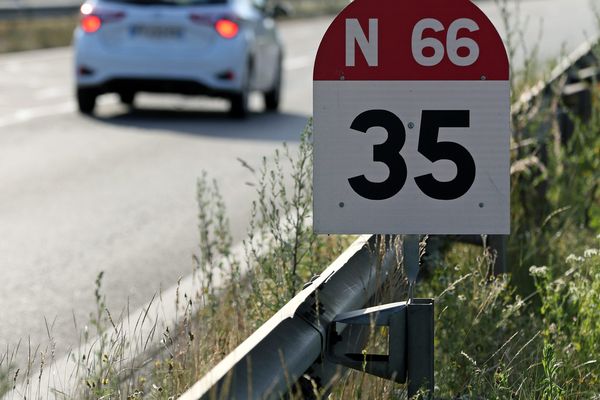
(411, 108)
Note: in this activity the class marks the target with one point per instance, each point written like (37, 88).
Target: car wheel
(86, 100)
(239, 101)
(273, 96)
(127, 98)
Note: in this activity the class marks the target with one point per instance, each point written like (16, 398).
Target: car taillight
(91, 23)
(227, 28)
(92, 19)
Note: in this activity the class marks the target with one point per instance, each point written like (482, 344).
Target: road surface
(116, 193)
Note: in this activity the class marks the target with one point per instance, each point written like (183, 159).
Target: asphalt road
(116, 193)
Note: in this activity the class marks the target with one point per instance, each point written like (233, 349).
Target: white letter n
(368, 47)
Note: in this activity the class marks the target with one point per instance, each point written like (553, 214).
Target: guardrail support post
(411, 254)
(499, 243)
(411, 350)
(389, 366)
(420, 326)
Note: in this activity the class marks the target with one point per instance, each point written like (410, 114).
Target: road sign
(411, 121)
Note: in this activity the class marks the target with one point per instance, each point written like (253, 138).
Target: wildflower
(538, 271)
(468, 357)
(591, 253)
(572, 258)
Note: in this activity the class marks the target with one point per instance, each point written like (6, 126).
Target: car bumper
(205, 73)
(157, 85)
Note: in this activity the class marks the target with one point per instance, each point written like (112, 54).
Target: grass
(234, 293)
(527, 75)
(39, 33)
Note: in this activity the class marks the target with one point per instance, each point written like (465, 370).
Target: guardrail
(278, 354)
(38, 11)
(18, 10)
(295, 343)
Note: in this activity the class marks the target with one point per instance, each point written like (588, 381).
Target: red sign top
(428, 40)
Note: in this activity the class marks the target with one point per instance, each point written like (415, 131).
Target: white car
(221, 48)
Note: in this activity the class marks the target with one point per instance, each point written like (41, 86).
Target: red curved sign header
(432, 40)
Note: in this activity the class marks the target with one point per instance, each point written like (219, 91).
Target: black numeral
(431, 122)
(387, 152)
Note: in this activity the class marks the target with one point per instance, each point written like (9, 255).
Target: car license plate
(157, 32)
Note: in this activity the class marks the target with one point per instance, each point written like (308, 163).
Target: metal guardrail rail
(293, 342)
(270, 361)
(18, 10)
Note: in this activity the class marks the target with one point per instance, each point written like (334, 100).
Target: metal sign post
(410, 254)
(411, 136)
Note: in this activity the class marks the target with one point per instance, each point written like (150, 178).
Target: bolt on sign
(411, 121)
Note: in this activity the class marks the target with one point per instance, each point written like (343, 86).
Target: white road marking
(52, 93)
(13, 64)
(11, 67)
(42, 56)
(298, 62)
(28, 114)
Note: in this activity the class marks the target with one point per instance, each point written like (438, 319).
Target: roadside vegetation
(36, 33)
(530, 334)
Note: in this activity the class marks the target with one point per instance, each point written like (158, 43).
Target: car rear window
(169, 2)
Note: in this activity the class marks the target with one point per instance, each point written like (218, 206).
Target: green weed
(30, 34)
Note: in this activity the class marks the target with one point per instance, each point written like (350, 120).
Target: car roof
(168, 2)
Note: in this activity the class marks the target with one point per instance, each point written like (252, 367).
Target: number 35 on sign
(411, 121)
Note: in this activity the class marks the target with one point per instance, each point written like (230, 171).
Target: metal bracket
(391, 366)
(410, 343)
